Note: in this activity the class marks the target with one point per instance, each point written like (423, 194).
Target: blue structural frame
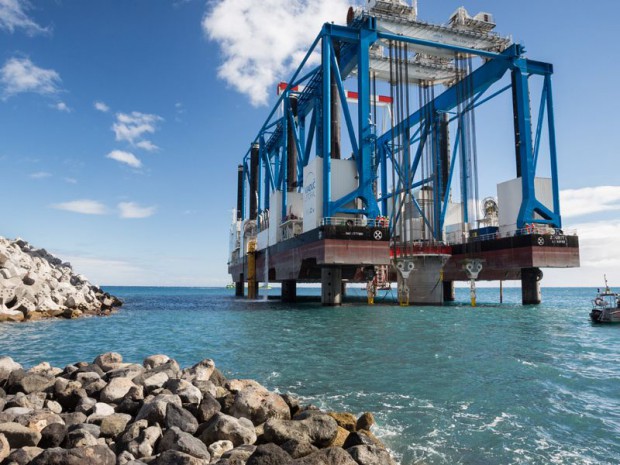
(311, 127)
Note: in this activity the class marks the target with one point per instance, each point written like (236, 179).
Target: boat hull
(607, 316)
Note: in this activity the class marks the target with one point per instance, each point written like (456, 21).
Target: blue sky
(122, 123)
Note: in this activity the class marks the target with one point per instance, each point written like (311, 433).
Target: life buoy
(598, 301)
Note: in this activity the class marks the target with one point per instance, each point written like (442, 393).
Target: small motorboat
(606, 306)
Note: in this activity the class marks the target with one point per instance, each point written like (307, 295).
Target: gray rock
(185, 390)
(181, 418)
(218, 448)
(53, 435)
(124, 458)
(269, 454)
(370, 455)
(53, 406)
(116, 389)
(93, 455)
(19, 435)
(94, 388)
(24, 455)
(259, 405)
(200, 371)
(68, 393)
(38, 420)
(92, 429)
(130, 371)
(365, 421)
(174, 457)
(154, 361)
(297, 449)
(102, 409)
(35, 383)
(113, 425)
(147, 441)
(154, 409)
(217, 378)
(208, 407)
(329, 456)
(237, 456)
(225, 427)
(86, 405)
(358, 438)
(73, 418)
(318, 430)
(109, 361)
(175, 439)
(5, 447)
(80, 438)
(131, 434)
(7, 365)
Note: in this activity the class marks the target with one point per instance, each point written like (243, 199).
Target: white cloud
(13, 16)
(62, 106)
(21, 75)
(125, 157)
(71, 180)
(40, 175)
(576, 202)
(132, 127)
(103, 271)
(147, 145)
(102, 107)
(262, 42)
(133, 210)
(85, 206)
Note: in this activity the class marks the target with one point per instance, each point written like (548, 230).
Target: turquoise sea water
(498, 384)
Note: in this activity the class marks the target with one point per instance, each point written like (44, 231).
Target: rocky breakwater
(112, 413)
(35, 284)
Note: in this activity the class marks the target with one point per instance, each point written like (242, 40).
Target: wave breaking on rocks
(109, 412)
(35, 284)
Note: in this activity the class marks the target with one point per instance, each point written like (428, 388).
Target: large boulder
(225, 427)
(258, 404)
(174, 457)
(269, 454)
(19, 435)
(317, 429)
(91, 455)
(154, 409)
(370, 455)
(181, 418)
(175, 439)
(109, 361)
(116, 390)
(329, 456)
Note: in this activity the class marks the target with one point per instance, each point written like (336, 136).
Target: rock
(218, 448)
(155, 381)
(35, 383)
(53, 435)
(298, 449)
(361, 438)
(24, 455)
(5, 448)
(225, 427)
(148, 439)
(370, 455)
(340, 438)
(185, 390)
(116, 389)
(365, 421)
(237, 456)
(131, 434)
(154, 409)
(329, 456)
(236, 385)
(86, 405)
(94, 430)
(154, 361)
(7, 365)
(80, 438)
(292, 402)
(181, 418)
(269, 454)
(53, 406)
(205, 387)
(109, 361)
(217, 378)
(259, 405)
(129, 371)
(174, 457)
(93, 389)
(124, 458)
(208, 407)
(113, 425)
(102, 409)
(92, 455)
(70, 395)
(175, 439)
(345, 420)
(19, 435)
(73, 418)
(38, 420)
(318, 429)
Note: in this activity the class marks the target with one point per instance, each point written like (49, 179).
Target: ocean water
(495, 384)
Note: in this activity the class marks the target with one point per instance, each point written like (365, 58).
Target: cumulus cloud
(85, 206)
(262, 42)
(134, 210)
(13, 16)
(577, 202)
(102, 107)
(71, 180)
(147, 145)
(22, 75)
(132, 127)
(125, 157)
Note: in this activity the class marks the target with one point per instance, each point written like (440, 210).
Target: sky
(122, 123)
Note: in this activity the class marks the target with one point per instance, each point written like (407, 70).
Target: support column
(239, 287)
(448, 291)
(530, 286)
(331, 286)
(289, 291)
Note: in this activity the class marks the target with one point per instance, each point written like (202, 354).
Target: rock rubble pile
(112, 413)
(35, 284)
